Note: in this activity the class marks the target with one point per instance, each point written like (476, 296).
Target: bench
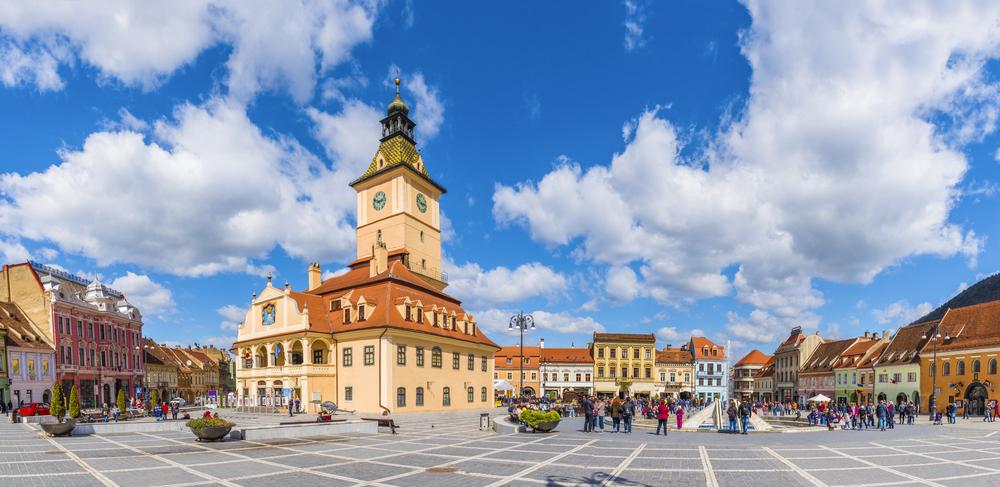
(384, 423)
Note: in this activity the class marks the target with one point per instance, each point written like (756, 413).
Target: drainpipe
(385, 410)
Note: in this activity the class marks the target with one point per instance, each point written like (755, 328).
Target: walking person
(662, 415)
(599, 410)
(628, 412)
(745, 416)
(902, 412)
(174, 409)
(105, 412)
(680, 417)
(588, 414)
(164, 409)
(115, 413)
(616, 415)
(731, 414)
(890, 416)
(881, 411)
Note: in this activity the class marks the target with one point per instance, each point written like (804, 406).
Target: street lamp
(522, 323)
(935, 336)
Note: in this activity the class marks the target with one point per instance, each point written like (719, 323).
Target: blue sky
(726, 169)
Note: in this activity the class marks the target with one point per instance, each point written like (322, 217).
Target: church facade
(384, 336)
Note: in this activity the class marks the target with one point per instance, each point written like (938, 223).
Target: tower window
(423, 263)
(421, 236)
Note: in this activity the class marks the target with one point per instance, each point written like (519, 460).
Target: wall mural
(267, 314)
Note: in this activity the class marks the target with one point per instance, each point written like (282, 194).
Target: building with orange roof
(817, 374)
(894, 370)
(711, 376)
(522, 371)
(743, 372)
(788, 358)
(161, 370)
(383, 336)
(675, 371)
(623, 364)
(845, 368)
(958, 363)
(566, 369)
(763, 382)
(30, 359)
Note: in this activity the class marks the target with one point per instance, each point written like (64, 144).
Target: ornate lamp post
(935, 335)
(522, 323)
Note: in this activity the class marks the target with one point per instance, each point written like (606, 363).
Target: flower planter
(546, 426)
(211, 433)
(60, 429)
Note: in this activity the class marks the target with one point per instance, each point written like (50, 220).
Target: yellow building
(675, 371)
(383, 336)
(624, 364)
(958, 362)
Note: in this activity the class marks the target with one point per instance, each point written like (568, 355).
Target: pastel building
(566, 369)
(895, 372)
(675, 373)
(384, 335)
(522, 371)
(711, 374)
(789, 357)
(30, 359)
(958, 362)
(817, 374)
(624, 364)
(846, 367)
(744, 371)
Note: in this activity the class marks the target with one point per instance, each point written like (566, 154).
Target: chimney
(380, 258)
(868, 334)
(667, 348)
(885, 334)
(315, 275)
(541, 343)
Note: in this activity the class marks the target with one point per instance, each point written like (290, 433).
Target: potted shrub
(210, 429)
(539, 420)
(74, 403)
(57, 409)
(120, 402)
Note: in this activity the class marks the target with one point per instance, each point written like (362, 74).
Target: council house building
(384, 336)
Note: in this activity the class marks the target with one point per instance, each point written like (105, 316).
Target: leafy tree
(57, 407)
(153, 399)
(74, 403)
(121, 401)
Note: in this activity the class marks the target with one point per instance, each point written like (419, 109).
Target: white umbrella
(819, 398)
(502, 385)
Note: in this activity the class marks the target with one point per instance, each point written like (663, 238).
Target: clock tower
(398, 200)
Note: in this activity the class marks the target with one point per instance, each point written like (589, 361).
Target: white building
(566, 369)
(711, 376)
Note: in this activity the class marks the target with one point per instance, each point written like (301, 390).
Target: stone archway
(975, 398)
(881, 397)
(901, 398)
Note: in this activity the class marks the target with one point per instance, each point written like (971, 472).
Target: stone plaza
(450, 450)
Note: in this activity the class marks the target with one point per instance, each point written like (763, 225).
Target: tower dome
(397, 104)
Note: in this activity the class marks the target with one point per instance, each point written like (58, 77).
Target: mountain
(981, 292)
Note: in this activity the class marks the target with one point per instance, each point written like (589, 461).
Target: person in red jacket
(662, 415)
(164, 408)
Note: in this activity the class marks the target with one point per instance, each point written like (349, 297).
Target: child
(937, 418)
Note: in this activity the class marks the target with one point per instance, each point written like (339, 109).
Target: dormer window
(420, 315)
(408, 317)
(361, 312)
(434, 313)
(347, 315)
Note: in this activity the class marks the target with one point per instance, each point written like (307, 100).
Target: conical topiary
(121, 402)
(57, 408)
(153, 399)
(74, 403)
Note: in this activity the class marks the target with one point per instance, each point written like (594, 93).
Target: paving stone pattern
(449, 450)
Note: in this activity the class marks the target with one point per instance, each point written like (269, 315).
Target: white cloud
(232, 316)
(350, 136)
(622, 285)
(901, 313)
(635, 24)
(758, 327)
(223, 342)
(496, 321)
(675, 337)
(833, 170)
(209, 193)
(479, 288)
(149, 296)
(12, 251)
(281, 46)
(331, 274)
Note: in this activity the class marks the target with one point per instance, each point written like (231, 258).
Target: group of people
(990, 412)
(623, 410)
(881, 415)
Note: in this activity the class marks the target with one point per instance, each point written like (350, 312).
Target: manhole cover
(442, 470)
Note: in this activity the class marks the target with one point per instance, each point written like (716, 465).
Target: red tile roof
(699, 345)
(624, 337)
(976, 326)
(674, 356)
(566, 355)
(755, 357)
(21, 332)
(822, 360)
(905, 345)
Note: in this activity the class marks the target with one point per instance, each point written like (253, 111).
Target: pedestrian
(950, 411)
(901, 409)
(745, 416)
(588, 414)
(731, 414)
(890, 415)
(174, 409)
(628, 412)
(662, 415)
(115, 412)
(163, 409)
(996, 410)
(105, 412)
(616, 414)
(291, 406)
(599, 411)
(881, 411)
(680, 417)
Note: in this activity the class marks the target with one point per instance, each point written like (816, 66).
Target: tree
(57, 408)
(121, 402)
(153, 399)
(74, 403)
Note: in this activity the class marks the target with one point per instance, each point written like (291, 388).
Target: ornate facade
(743, 374)
(624, 364)
(566, 369)
(675, 371)
(383, 336)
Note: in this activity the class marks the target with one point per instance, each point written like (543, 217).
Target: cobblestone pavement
(449, 450)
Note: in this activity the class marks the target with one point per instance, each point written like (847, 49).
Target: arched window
(420, 396)
(992, 367)
(470, 394)
(946, 369)
(960, 368)
(436, 357)
(482, 393)
(446, 397)
(400, 397)
(976, 367)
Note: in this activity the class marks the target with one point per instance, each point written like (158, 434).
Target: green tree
(121, 402)
(56, 407)
(74, 403)
(153, 399)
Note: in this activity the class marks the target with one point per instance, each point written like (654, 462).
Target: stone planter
(211, 433)
(546, 426)
(59, 429)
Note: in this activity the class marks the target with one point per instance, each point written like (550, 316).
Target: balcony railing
(287, 370)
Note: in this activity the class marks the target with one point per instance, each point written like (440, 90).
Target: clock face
(421, 203)
(378, 202)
